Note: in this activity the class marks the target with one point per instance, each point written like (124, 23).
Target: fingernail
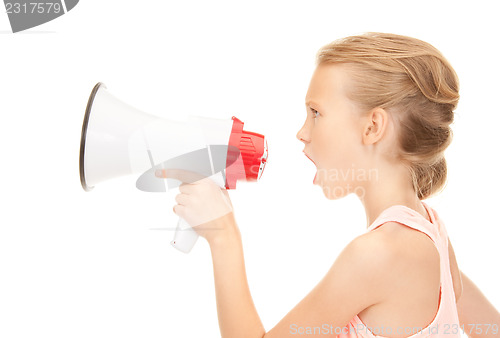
(159, 173)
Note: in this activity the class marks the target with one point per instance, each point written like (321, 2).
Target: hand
(202, 203)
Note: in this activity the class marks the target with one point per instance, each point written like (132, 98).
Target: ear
(375, 126)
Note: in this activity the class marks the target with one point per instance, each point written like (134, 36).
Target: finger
(186, 188)
(179, 210)
(182, 199)
(179, 174)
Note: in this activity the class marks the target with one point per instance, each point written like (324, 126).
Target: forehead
(327, 84)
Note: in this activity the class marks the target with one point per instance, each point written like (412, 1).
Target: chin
(335, 192)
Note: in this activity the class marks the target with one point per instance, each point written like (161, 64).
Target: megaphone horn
(84, 136)
(118, 139)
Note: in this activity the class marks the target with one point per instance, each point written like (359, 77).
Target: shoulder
(407, 250)
(370, 253)
(379, 248)
(384, 258)
(365, 267)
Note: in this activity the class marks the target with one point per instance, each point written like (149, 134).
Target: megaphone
(118, 139)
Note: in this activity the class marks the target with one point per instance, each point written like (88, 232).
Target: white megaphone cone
(119, 140)
(108, 126)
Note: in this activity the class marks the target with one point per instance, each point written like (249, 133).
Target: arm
(337, 298)
(474, 308)
(356, 280)
(235, 308)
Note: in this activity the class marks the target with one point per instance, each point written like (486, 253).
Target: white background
(76, 264)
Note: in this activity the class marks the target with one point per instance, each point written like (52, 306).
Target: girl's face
(332, 132)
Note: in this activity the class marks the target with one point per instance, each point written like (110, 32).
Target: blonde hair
(414, 82)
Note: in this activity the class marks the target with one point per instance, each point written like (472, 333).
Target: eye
(314, 113)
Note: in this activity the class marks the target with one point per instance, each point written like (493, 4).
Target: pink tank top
(445, 322)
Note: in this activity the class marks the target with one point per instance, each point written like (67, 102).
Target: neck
(391, 187)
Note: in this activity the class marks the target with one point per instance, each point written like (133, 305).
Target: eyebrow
(312, 103)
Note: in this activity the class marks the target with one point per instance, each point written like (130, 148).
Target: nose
(303, 134)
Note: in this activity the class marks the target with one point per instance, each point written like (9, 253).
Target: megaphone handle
(185, 236)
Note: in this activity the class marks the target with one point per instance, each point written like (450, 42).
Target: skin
(397, 287)
(476, 312)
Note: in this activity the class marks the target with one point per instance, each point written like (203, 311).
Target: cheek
(338, 161)
(335, 148)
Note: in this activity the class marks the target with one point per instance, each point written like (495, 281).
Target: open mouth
(315, 176)
(309, 158)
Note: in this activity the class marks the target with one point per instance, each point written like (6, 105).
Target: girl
(383, 104)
